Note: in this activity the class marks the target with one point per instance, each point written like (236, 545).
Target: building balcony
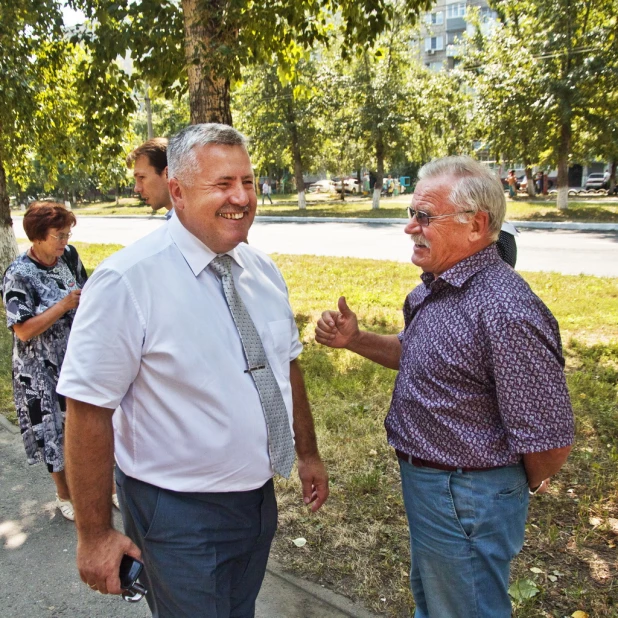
(455, 23)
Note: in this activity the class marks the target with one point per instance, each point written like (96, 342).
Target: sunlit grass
(358, 543)
(598, 210)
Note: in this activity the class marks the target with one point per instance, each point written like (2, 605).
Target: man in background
(149, 163)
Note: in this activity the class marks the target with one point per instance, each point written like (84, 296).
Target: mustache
(419, 239)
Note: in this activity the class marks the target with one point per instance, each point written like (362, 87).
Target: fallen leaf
(579, 614)
(523, 589)
(300, 541)
(373, 452)
(613, 524)
(552, 578)
(595, 521)
(536, 570)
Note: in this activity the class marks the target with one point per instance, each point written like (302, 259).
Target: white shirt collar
(197, 255)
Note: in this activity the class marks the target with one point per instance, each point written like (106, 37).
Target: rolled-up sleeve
(105, 345)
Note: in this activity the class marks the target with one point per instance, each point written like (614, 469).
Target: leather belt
(423, 463)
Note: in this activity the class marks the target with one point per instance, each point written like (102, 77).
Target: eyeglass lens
(421, 217)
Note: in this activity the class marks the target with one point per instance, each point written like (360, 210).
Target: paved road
(568, 252)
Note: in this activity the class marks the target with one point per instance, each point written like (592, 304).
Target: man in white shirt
(266, 191)
(149, 163)
(156, 334)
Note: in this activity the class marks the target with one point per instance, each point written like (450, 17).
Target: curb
(540, 225)
(325, 595)
(535, 225)
(7, 426)
(567, 225)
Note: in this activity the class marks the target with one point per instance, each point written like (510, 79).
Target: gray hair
(477, 188)
(181, 159)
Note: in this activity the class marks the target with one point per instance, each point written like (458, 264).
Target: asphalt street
(564, 251)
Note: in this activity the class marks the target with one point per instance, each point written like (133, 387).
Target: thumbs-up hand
(336, 329)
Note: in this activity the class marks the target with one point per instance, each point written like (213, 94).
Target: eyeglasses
(62, 236)
(424, 219)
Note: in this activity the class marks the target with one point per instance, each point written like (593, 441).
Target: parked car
(322, 186)
(350, 185)
(597, 181)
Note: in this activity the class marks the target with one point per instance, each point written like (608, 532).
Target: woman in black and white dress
(41, 291)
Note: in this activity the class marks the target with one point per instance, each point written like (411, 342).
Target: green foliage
(7, 407)
(547, 70)
(168, 117)
(31, 51)
(277, 110)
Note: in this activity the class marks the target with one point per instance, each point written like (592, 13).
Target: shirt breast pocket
(281, 333)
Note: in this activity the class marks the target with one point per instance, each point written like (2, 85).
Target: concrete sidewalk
(38, 577)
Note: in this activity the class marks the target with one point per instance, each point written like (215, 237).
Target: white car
(351, 185)
(597, 181)
(322, 186)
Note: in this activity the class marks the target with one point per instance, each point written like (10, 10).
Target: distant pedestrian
(545, 183)
(390, 186)
(266, 191)
(511, 181)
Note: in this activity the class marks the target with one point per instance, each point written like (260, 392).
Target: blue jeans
(204, 554)
(465, 528)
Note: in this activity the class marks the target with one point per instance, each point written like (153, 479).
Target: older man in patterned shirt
(480, 415)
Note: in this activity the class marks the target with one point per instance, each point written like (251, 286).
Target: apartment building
(442, 31)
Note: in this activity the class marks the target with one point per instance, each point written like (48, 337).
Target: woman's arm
(40, 323)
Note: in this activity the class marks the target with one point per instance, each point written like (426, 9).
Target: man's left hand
(314, 479)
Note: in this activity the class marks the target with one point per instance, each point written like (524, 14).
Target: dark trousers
(204, 554)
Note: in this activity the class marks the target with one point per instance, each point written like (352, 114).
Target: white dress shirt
(154, 335)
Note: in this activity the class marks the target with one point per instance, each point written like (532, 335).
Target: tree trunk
(612, 176)
(209, 95)
(148, 113)
(377, 189)
(530, 189)
(8, 244)
(296, 155)
(563, 165)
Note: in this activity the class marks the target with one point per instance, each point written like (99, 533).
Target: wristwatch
(535, 489)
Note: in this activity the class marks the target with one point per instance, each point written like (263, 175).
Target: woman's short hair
(44, 216)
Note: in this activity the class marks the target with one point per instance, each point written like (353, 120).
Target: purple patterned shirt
(481, 377)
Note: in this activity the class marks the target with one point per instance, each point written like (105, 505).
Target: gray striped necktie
(280, 442)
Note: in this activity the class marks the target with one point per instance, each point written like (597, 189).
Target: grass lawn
(357, 544)
(598, 210)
